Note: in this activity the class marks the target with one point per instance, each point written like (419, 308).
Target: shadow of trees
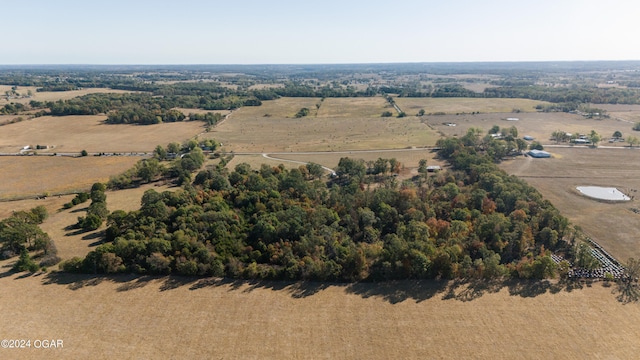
(393, 292)
(627, 292)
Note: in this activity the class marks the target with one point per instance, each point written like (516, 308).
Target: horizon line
(322, 63)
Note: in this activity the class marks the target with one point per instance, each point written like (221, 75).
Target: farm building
(581, 141)
(539, 154)
(433, 168)
(512, 119)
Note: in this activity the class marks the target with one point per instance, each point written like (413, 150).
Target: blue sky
(330, 31)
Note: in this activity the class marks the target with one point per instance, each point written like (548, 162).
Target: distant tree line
(129, 108)
(571, 95)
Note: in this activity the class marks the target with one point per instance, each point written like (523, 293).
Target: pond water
(603, 193)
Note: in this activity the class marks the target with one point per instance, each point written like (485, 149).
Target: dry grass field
(630, 113)
(340, 124)
(465, 105)
(34, 175)
(128, 317)
(50, 95)
(6, 118)
(75, 133)
(538, 125)
(613, 225)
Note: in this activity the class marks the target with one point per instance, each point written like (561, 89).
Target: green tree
(521, 145)
(315, 170)
(160, 153)
(420, 112)
(535, 145)
(173, 148)
(84, 153)
(559, 136)
(617, 134)
(381, 166)
(90, 222)
(39, 214)
(511, 132)
(594, 137)
(422, 166)
(585, 258)
(25, 263)
(351, 168)
(302, 112)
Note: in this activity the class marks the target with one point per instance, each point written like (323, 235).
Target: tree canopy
(472, 221)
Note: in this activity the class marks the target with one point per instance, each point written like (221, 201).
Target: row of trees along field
(275, 223)
(155, 103)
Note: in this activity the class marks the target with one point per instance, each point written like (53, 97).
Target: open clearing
(408, 158)
(51, 95)
(129, 317)
(72, 243)
(26, 176)
(341, 124)
(77, 133)
(613, 225)
(465, 105)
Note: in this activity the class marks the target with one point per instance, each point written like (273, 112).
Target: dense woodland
(471, 221)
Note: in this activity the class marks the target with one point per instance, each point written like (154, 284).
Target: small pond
(603, 193)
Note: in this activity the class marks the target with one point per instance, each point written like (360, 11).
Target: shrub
(73, 265)
(49, 260)
(302, 112)
(25, 263)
